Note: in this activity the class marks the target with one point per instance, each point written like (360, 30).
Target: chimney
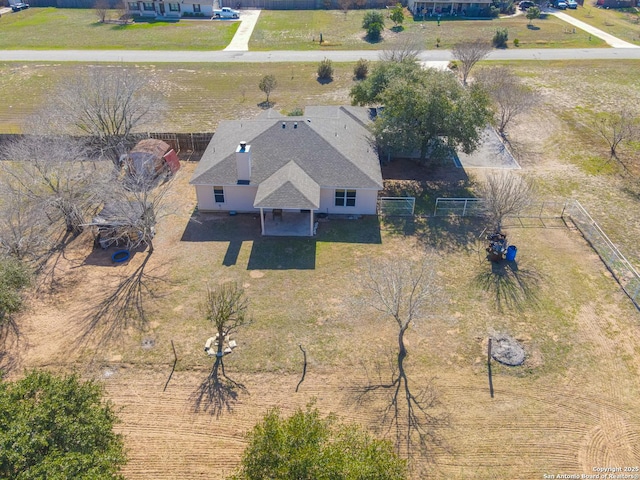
(243, 163)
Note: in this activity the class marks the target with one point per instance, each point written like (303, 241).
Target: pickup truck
(226, 12)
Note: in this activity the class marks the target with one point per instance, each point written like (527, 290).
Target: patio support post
(311, 223)
(262, 220)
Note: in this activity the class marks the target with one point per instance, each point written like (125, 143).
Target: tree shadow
(217, 393)
(397, 29)
(372, 40)
(324, 81)
(413, 415)
(47, 265)
(266, 105)
(512, 287)
(533, 27)
(10, 338)
(122, 309)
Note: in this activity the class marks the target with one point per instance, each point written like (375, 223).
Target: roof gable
(289, 187)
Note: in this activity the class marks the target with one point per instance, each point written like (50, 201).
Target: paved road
(141, 56)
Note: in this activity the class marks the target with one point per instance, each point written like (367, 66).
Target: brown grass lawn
(571, 407)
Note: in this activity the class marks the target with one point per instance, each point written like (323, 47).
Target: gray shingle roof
(330, 144)
(289, 187)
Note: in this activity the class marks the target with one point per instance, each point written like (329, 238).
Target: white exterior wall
(241, 197)
(366, 202)
(236, 197)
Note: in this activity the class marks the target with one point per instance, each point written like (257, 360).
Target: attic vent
(283, 124)
(309, 120)
(295, 124)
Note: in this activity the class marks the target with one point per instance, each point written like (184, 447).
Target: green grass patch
(293, 30)
(80, 29)
(621, 23)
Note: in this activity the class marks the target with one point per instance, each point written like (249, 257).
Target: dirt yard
(571, 407)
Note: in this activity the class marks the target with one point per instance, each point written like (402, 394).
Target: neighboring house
(431, 7)
(171, 9)
(321, 162)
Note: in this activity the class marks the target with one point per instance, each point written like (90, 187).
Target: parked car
(16, 7)
(226, 12)
(526, 4)
(561, 5)
(572, 4)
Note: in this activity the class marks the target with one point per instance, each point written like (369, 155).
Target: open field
(276, 30)
(80, 29)
(571, 407)
(622, 24)
(296, 31)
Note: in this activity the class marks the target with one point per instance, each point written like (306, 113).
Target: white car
(572, 4)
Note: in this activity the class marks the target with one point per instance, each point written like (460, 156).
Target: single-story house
(171, 8)
(324, 161)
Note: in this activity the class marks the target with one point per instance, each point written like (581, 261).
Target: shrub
(373, 23)
(361, 70)
(325, 70)
(494, 12)
(296, 112)
(500, 38)
(516, 42)
(453, 65)
(14, 276)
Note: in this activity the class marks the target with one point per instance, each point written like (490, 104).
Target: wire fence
(623, 271)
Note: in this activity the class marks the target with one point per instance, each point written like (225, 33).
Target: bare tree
(468, 53)
(403, 290)
(24, 229)
(53, 173)
(405, 49)
(134, 202)
(616, 128)
(106, 103)
(345, 5)
(268, 84)
(226, 307)
(509, 95)
(101, 9)
(506, 194)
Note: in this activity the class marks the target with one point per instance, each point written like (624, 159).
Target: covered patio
(288, 224)
(290, 197)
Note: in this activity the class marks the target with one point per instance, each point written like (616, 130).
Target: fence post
(464, 209)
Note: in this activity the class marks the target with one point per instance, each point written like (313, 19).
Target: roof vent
(308, 120)
(243, 146)
(295, 124)
(283, 124)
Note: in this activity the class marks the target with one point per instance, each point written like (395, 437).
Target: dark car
(526, 4)
(16, 7)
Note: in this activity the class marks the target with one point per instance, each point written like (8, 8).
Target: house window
(218, 193)
(345, 198)
(174, 7)
(134, 6)
(148, 6)
(196, 8)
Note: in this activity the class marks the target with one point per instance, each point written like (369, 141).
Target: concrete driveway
(240, 41)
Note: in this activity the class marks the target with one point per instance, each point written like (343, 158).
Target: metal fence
(622, 270)
(625, 273)
(458, 206)
(401, 206)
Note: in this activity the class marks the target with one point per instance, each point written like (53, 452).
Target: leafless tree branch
(468, 53)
